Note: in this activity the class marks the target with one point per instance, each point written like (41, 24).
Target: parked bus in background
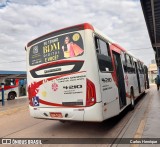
(78, 73)
(13, 88)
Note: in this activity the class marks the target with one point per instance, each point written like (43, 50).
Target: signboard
(53, 49)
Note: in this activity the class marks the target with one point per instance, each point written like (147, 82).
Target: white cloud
(3, 3)
(22, 21)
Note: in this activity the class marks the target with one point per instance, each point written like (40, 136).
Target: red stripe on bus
(88, 26)
(55, 104)
(8, 87)
(118, 47)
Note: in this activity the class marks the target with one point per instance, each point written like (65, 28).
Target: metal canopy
(12, 74)
(151, 11)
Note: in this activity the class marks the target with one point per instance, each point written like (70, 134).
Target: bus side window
(139, 68)
(142, 68)
(9, 82)
(133, 65)
(123, 57)
(103, 55)
(97, 45)
(130, 64)
(104, 48)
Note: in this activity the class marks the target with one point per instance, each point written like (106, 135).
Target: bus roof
(73, 28)
(82, 26)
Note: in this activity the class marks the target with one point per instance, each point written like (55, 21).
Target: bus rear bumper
(92, 113)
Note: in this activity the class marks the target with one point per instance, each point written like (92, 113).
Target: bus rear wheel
(11, 96)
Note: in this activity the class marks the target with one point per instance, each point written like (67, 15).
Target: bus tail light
(90, 94)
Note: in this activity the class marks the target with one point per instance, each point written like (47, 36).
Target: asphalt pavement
(142, 122)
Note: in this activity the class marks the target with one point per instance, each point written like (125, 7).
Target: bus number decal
(106, 80)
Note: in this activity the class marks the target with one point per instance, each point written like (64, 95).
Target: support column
(2, 86)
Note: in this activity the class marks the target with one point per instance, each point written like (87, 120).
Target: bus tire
(62, 121)
(132, 105)
(11, 96)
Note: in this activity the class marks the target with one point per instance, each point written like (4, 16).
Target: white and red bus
(78, 73)
(13, 87)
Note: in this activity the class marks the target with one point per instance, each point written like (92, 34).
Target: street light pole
(2, 85)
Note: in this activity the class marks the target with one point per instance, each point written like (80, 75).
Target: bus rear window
(57, 48)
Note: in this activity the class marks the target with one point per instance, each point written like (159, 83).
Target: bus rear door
(138, 79)
(120, 79)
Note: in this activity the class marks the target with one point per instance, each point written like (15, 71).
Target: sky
(23, 20)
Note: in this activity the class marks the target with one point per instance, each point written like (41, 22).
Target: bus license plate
(56, 114)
